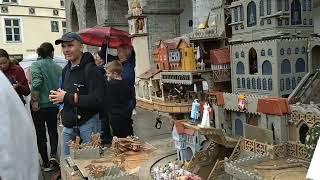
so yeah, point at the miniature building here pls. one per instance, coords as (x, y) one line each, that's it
(187, 141)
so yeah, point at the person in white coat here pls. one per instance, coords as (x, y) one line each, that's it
(19, 159)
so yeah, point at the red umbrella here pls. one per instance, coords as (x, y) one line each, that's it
(97, 36)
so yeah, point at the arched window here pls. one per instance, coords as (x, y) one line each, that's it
(295, 12)
(253, 81)
(253, 61)
(251, 14)
(304, 5)
(243, 82)
(270, 84)
(269, 52)
(248, 84)
(240, 68)
(282, 51)
(288, 84)
(303, 133)
(266, 68)
(258, 83)
(264, 84)
(238, 83)
(286, 5)
(235, 13)
(294, 83)
(285, 67)
(263, 53)
(300, 66)
(281, 84)
(279, 4)
(268, 7)
(241, 13)
(261, 7)
(237, 54)
(296, 50)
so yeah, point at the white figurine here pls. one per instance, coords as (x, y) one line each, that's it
(205, 117)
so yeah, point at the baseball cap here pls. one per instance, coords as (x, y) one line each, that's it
(68, 37)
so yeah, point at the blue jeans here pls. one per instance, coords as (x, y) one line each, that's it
(86, 129)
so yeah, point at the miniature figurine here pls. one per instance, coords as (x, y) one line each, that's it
(136, 8)
(242, 103)
(205, 117)
(202, 65)
(195, 111)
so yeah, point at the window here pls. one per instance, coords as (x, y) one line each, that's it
(281, 84)
(285, 67)
(282, 51)
(263, 53)
(241, 13)
(264, 84)
(243, 83)
(294, 83)
(304, 21)
(270, 84)
(269, 52)
(248, 83)
(303, 50)
(64, 27)
(288, 84)
(258, 83)
(304, 5)
(296, 12)
(309, 5)
(310, 22)
(237, 54)
(268, 7)
(9, 1)
(296, 50)
(300, 65)
(253, 61)
(238, 83)
(12, 28)
(286, 5)
(62, 3)
(289, 51)
(240, 68)
(253, 81)
(235, 13)
(279, 22)
(261, 8)
(279, 4)
(251, 12)
(266, 68)
(242, 54)
(54, 26)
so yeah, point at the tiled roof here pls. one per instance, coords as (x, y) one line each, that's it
(150, 73)
(220, 56)
(273, 106)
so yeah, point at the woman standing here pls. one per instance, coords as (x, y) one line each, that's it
(15, 74)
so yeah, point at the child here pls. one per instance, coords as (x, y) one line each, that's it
(117, 96)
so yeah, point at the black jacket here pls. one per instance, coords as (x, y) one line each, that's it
(91, 90)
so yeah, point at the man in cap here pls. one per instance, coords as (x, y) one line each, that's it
(81, 96)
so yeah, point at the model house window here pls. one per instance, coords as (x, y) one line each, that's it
(269, 52)
(238, 83)
(251, 14)
(288, 84)
(304, 5)
(237, 54)
(248, 83)
(303, 50)
(64, 27)
(243, 83)
(270, 84)
(268, 7)
(235, 13)
(264, 84)
(285, 67)
(281, 84)
(300, 66)
(279, 4)
(12, 28)
(294, 83)
(261, 7)
(266, 68)
(253, 83)
(258, 83)
(62, 3)
(282, 51)
(295, 12)
(9, 1)
(241, 13)
(286, 5)
(240, 68)
(263, 53)
(309, 5)
(54, 26)
(253, 61)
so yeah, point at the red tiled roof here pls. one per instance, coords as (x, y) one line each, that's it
(273, 106)
(150, 73)
(182, 130)
(219, 96)
(220, 56)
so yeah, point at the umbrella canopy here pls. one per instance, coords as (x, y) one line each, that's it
(97, 36)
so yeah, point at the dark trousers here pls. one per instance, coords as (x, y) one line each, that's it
(121, 127)
(42, 118)
(105, 130)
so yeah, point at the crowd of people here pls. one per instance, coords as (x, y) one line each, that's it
(92, 95)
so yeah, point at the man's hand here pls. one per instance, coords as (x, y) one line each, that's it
(57, 96)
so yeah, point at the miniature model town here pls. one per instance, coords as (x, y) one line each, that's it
(241, 89)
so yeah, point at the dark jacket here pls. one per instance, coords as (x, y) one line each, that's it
(16, 75)
(91, 90)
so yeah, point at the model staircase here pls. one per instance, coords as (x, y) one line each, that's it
(307, 89)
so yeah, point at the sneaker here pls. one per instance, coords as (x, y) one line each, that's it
(47, 167)
(53, 161)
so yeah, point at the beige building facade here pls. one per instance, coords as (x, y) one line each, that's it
(25, 24)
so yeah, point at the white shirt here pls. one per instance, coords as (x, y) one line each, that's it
(19, 159)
